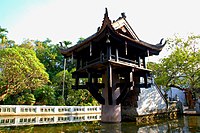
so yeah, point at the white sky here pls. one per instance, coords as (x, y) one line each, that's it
(69, 20)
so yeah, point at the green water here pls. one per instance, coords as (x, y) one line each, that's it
(186, 124)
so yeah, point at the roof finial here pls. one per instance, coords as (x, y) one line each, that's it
(106, 22)
(123, 15)
(106, 13)
(106, 18)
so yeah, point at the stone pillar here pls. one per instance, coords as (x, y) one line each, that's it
(111, 112)
(129, 104)
(198, 106)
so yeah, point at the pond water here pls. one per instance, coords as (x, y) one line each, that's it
(185, 124)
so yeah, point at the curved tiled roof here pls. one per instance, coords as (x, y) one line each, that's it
(119, 25)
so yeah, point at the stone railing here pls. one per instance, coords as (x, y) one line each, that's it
(46, 119)
(47, 110)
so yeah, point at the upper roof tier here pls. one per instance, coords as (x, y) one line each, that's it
(121, 31)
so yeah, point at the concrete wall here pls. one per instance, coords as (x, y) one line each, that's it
(176, 94)
(150, 101)
(143, 101)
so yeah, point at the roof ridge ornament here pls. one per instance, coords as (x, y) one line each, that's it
(161, 44)
(106, 13)
(106, 19)
(106, 22)
(123, 15)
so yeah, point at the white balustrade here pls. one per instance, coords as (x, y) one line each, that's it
(47, 110)
(46, 119)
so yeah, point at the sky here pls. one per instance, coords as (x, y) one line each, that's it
(69, 20)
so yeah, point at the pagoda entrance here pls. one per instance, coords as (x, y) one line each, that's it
(113, 62)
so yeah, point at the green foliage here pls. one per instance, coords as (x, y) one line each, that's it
(182, 67)
(80, 98)
(72, 97)
(3, 36)
(27, 99)
(4, 41)
(67, 43)
(68, 82)
(50, 56)
(45, 95)
(25, 71)
(28, 44)
(20, 70)
(60, 101)
(23, 98)
(81, 39)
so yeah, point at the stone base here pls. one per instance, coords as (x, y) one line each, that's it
(111, 113)
(129, 106)
(129, 113)
(155, 118)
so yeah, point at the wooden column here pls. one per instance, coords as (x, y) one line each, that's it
(93, 88)
(78, 64)
(109, 52)
(139, 61)
(101, 56)
(116, 55)
(144, 62)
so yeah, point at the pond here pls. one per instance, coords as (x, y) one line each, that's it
(185, 124)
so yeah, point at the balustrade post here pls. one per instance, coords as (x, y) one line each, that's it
(17, 109)
(38, 109)
(56, 109)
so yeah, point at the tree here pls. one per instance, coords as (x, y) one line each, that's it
(50, 56)
(58, 82)
(4, 41)
(20, 70)
(181, 69)
(72, 97)
(80, 97)
(81, 39)
(45, 95)
(26, 98)
(3, 35)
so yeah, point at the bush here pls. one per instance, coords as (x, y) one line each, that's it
(45, 95)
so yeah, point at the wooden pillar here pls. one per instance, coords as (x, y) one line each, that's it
(78, 64)
(139, 61)
(144, 62)
(101, 56)
(109, 52)
(117, 55)
(110, 111)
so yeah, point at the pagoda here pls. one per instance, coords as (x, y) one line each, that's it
(113, 62)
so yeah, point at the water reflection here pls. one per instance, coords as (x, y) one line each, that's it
(186, 124)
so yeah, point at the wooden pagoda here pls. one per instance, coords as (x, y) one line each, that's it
(116, 55)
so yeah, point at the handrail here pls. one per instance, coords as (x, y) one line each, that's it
(166, 102)
(93, 61)
(112, 57)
